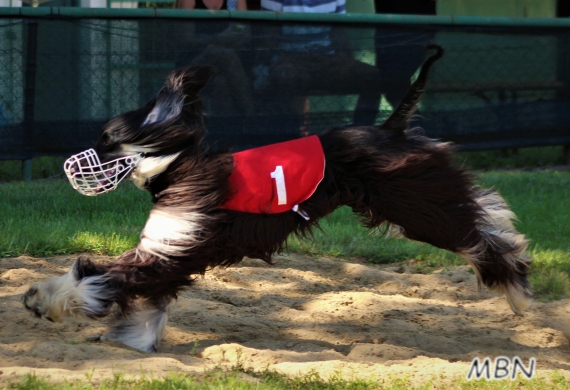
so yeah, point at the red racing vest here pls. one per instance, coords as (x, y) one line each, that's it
(275, 178)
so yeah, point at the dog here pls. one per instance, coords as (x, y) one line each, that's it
(388, 175)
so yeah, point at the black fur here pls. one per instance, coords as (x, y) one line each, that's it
(386, 174)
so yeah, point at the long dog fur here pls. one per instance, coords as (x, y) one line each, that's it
(388, 175)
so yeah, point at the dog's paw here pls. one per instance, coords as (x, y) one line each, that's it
(141, 329)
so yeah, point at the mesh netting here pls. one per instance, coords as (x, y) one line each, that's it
(62, 79)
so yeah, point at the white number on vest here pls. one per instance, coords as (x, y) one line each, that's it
(279, 177)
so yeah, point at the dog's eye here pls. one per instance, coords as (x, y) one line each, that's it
(106, 140)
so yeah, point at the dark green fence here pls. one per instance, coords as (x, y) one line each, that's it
(503, 83)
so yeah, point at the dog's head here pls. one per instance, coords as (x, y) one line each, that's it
(141, 144)
(171, 122)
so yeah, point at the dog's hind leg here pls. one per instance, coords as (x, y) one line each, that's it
(497, 251)
(436, 203)
(410, 182)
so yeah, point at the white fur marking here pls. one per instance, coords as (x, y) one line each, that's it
(142, 330)
(91, 291)
(127, 149)
(65, 295)
(151, 167)
(497, 231)
(162, 228)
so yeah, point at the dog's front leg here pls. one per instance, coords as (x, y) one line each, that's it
(145, 287)
(141, 328)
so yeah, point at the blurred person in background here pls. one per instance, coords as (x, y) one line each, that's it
(316, 57)
(217, 43)
(230, 5)
(399, 54)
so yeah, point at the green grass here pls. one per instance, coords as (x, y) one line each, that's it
(240, 379)
(42, 168)
(541, 201)
(48, 217)
(44, 218)
(523, 158)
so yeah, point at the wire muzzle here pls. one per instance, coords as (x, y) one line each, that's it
(90, 177)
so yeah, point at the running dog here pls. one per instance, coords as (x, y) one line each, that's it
(214, 208)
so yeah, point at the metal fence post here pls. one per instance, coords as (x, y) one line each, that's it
(29, 97)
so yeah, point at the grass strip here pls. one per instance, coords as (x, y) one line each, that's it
(240, 379)
(44, 218)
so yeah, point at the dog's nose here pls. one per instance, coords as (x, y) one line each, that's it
(72, 166)
(37, 313)
(76, 166)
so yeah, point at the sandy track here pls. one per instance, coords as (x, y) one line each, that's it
(301, 314)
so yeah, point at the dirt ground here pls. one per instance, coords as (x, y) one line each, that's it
(327, 315)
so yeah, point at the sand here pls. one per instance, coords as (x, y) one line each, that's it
(331, 316)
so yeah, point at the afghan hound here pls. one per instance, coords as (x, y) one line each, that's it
(213, 208)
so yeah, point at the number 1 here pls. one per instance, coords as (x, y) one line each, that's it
(279, 177)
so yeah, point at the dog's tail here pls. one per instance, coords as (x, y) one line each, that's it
(400, 118)
(497, 251)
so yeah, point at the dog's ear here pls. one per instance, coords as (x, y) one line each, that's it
(191, 79)
(179, 93)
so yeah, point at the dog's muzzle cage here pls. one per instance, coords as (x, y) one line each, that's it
(89, 177)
